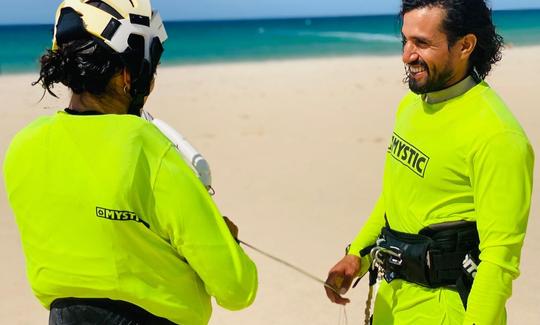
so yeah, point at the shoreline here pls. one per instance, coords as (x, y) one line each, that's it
(367, 56)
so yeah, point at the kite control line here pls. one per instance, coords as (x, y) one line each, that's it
(343, 311)
(289, 265)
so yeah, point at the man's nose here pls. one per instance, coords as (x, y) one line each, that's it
(409, 53)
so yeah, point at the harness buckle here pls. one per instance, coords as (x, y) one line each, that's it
(392, 254)
(395, 256)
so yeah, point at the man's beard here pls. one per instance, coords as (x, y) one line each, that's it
(435, 81)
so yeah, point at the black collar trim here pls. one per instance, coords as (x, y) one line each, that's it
(73, 112)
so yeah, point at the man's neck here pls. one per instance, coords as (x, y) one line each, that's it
(448, 93)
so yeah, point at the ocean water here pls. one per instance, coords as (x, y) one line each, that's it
(252, 40)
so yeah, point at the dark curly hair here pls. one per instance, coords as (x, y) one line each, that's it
(82, 65)
(467, 17)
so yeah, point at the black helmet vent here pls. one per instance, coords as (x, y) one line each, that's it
(70, 26)
(105, 7)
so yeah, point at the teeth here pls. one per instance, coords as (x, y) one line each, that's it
(416, 69)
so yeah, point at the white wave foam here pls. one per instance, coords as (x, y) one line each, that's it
(358, 36)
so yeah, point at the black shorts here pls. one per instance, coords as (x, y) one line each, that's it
(89, 311)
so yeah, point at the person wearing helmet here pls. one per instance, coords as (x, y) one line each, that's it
(116, 228)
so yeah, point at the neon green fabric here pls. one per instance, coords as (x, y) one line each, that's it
(466, 158)
(107, 208)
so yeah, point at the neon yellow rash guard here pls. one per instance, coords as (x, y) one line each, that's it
(107, 208)
(466, 158)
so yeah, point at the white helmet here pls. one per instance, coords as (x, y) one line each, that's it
(127, 27)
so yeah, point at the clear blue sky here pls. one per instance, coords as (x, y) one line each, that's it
(42, 11)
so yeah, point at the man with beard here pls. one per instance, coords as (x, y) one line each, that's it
(447, 231)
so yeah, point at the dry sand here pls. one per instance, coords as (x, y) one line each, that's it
(296, 149)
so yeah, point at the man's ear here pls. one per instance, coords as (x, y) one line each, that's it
(467, 45)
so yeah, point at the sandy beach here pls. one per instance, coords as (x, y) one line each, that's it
(296, 149)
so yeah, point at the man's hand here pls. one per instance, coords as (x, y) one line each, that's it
(232, 227)
(340, 278)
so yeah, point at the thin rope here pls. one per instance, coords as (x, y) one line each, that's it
(343, 316)
(296, 268)
(342, 311)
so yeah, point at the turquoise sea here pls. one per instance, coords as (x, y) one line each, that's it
(251, 40)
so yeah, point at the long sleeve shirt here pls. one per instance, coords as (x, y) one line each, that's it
(107, 208)
(464, 158)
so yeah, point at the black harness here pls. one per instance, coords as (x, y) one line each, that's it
(442, 255)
